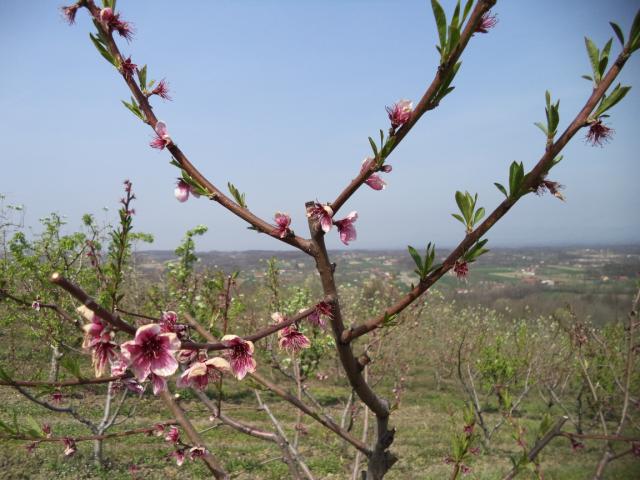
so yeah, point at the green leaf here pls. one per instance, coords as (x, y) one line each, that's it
(237, 195)
(605, 55)
(134, 109)
(587, 77)
(618, 32)
(454, 38)
(416, 257)
(616, 95)
(456, 16)
(373, 147)
(594, 57)
(479, 215)
(459, 218)
(500, 187)
(441, 22)
(467, 9)
(634, 35)
(516, 174)
(33, 428)
(542, 127)
(103, 51)
(142, 77)
(390, 320)
(72, 365)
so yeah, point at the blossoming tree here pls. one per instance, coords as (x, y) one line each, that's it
(154, 351)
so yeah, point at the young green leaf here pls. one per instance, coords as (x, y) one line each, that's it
(594, 57)
(374, 147)
(616, 95)
(467, 9)
(142, 77)
(500, 187)
(416, 258)
(441, 22)
(618, 32)
(479, 215)
(237, 195)
(103, 51)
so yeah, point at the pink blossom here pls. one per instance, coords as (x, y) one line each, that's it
(290, 339)
(69, 446)
(103, 350)
(92, 330)
(182, 191)
(158, 383)
(576, 445)
(200, 373)
(320, 310)
(69, 13)
(598, 133)
(36, 305)
(186, 356)
(197, 452)
(346, 229)
(151, 352)
(240, 355)
(321, 213)
(400, 113)
(461, 269)
(179, 456)
(128, 68)
(487, 22)
(374, 180)
(111, 22)
(162, 90)
(283, 220)
(158, 429)
(46, 429)
(162, 138)
(169, 323)
(173, 435)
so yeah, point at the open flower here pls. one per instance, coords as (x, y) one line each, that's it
(151, 352)
(36, 305)
(400, 113)
(322, 214)
(197, 452)
(240, 355)
(487, 22)
(179, 456)
(162, 90)
(173, 435)
(69, 446)
(374, 180)
(598, 133)
(92, 331)
(200, 373)
(162, 136)
(322, 309)
(290, 338)
(346, 229)
(283, 220)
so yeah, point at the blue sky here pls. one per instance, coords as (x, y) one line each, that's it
(279, 98)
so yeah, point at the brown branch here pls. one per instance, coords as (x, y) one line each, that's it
(426, 103)
(608, 438)
(292, 399)
(209, 459)
(85, 438)
(214, 193)
(537, 448)
(90, 303)
(529, 183)
(64, 383)
(50, 306)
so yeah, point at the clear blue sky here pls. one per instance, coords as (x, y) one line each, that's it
(279, 97)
